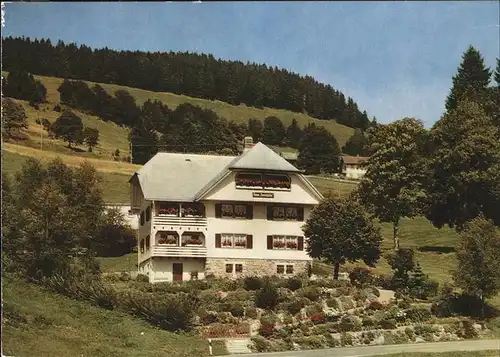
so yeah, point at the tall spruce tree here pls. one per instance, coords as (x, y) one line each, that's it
(356, 145)
(318, 151)
(471, 80)
(293, 135)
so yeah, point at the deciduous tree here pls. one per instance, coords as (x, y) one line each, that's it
(478, 259)
(393, 186)
(341, 230)
(91, 137)
(14, 118)
(68, 127)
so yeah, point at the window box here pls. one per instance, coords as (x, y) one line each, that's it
(193, 210)
(169, 212)
(285, 242)
(285, 213)
(233, 210)
(192, 242)
(168, 239)
(236, 241)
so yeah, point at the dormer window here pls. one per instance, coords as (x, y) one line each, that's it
(277, 182)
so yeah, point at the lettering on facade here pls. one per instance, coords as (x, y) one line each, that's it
(263, 194)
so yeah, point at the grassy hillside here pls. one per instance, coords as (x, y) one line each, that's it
(239, 114)
(37, 323)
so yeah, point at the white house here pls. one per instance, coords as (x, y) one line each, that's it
(130, 219)
(221, 215)
(352, 166)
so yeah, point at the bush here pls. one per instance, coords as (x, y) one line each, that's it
(395, 338)
(347, 303)
(237, 309)
(251, 312)
(410, 333)
(314, 309)
(388, 323)
(269, 319)
(311, 292)
(294, 284)
(333, 303)
(418, 314)
(311, 342)
(168, 312)
(267, 330)
(361, 277)
(207, 317)
(261, 344)
(252, 283)
(295, 306)
(346, 339)
(141, 278)
(459, 304)
(375, 305)
(467, 330)
(369, 321)
(87, 289)
(423, 329)
(350, 323)
(267, 297)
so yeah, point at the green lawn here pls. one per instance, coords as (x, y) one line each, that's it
(239, 114)
(118, 264)
(37, 323)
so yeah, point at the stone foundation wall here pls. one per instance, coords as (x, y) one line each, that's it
(253, 267)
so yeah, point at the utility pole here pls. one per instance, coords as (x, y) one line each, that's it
(130, 149)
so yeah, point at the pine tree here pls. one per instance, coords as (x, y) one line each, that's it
(471, 80)
(273, 132)
(356, 145)
(318, 151)
(293, 135)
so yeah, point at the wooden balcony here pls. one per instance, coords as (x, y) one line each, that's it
(179, 221)
(176, 251)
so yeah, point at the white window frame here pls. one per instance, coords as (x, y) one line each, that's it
(286, 239)
(233, 238)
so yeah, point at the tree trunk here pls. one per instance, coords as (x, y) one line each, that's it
(90, 148)
(395, 228)
(482, 305)
(336, 269)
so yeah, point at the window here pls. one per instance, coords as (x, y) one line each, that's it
(285, 213)
(280, 269)
(253, 180)
(168, 209)
(233, 210)
(280, 242)
(238, 268)
(229, 268)
(142, 218)
(148, 214)
(284, 269)
(230, 240)
(147, 242)
(142, 246)
(193, 210)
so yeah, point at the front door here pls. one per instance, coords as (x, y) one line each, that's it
(177, 271)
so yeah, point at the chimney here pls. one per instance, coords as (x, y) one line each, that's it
(247, 143)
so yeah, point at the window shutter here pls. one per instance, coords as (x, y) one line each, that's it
(218, 210)
(217, 241)
(249, 241)
(269, 242)
(249, 211)
(269, 212)
(300, 213)
(300, 243)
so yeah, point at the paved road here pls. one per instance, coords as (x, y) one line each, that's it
(469, 345)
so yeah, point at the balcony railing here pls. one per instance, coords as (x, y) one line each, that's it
(180, 221)
(174, 251)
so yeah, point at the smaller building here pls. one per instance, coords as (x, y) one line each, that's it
(352, 166)
(129, 218)
(291, 157)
